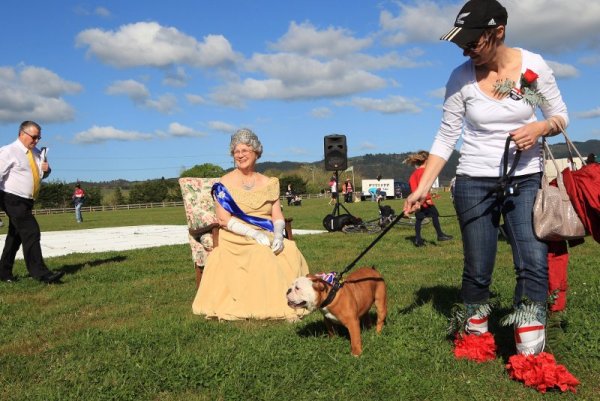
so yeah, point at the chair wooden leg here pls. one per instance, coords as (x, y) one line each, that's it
(199, 271)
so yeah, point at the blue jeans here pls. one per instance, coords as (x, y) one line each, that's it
(479, 209)
(78, 212)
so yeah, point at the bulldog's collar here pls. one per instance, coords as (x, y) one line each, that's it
(335, 286)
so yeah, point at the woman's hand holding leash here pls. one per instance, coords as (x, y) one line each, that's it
(527, 136)
(413, 202)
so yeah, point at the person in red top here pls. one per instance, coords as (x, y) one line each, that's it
(427, 207)
(78, 200)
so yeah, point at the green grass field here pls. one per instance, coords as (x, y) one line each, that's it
(121, 327)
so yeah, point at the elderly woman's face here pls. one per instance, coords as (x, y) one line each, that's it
(244, 156)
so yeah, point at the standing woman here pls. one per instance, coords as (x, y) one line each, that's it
(427, 208)
(489, 98)
(78, 200)
(247, 275)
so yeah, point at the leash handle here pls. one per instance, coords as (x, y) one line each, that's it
(510, 172)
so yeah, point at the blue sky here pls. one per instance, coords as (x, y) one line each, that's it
(143, 89)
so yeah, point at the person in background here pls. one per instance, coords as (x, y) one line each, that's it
(334, 191)
(427, 208)
(248, 274)
(21, 172)
(78, 200)
(491, 101)
(289, 194)
(374, 192)
(591, 158)
(348, 191)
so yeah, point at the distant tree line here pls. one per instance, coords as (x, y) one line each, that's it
(56, 194)
(59, 194)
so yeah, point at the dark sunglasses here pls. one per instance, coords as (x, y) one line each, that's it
(470, 46)
(34, 137)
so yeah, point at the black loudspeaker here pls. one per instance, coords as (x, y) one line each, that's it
(336, 153)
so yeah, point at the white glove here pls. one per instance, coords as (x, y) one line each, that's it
(237, 227)
(277, 245)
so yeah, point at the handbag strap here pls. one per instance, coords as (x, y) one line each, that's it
(570, 145)
(559, 179)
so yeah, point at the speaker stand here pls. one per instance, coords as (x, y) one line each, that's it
(338, 204)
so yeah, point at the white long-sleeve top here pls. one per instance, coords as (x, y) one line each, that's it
(15, 171)
(485, 122)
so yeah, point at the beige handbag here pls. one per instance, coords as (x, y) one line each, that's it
(554, 218)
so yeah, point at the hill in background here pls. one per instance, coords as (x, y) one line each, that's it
(389, 165)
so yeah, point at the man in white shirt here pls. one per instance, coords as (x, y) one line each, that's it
(21, 173)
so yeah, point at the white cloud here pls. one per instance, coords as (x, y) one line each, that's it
(195, 99)
(305, 39)
(321, 112)
(34, 93)
(391, 105)
(103, 134)
(176, 78)
(292, 77)
(563, 70)
(389, 60)
(165, 104)
(425, 21)
(438, 93)
(102, 12)
(311, 64)
(134, 90)
(46, 82)
(140, 95)
(554, 25)
(590, 59)
(366, 145)
(594, 113)
(97, 11)
(222, 127)
(179, 130)
(150, 44)
(296, 151)
(539, 25)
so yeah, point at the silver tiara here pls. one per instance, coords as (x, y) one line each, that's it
(244, 135)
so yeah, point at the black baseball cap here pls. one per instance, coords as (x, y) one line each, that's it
(473, 19)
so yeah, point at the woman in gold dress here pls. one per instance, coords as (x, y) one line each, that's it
(248, 274)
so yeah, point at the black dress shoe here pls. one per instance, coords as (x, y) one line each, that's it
(9, 279)
(52, 277)
(419, 243)
(445, 237)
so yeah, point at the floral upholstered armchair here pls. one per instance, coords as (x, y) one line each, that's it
(203, 226)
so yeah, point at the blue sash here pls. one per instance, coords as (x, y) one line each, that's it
(226, 200)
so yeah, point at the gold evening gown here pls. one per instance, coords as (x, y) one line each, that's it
(246, 280)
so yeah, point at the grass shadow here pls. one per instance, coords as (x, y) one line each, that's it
(442, 298)
(412, 239)
(318, 328)
(72, 269)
